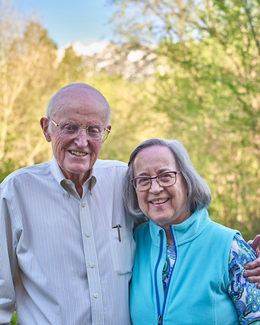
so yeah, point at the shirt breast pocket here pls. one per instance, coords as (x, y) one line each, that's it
(123, 251)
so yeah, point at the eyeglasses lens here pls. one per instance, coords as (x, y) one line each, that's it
(71, 130)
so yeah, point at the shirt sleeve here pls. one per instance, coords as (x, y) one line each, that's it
(244, 295)
(7, 293)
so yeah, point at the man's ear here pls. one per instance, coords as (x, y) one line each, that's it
(45, 128)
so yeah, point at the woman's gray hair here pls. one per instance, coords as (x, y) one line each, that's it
(199, 194)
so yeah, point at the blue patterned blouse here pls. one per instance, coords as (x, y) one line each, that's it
(245, 297)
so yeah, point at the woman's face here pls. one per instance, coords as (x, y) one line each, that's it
(164, 205)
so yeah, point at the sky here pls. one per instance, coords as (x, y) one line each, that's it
(70, 21)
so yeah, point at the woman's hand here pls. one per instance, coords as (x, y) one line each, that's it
(253, 268)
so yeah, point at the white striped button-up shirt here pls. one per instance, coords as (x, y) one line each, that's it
(61, 261)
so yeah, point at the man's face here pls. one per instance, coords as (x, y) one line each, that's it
(77, 156)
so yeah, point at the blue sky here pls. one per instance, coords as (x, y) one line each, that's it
(71, 20)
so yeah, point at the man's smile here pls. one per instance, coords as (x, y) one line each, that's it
(77, 153)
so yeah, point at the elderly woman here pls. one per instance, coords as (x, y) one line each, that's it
(188, 269)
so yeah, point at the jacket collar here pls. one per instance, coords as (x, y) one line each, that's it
(183, 232)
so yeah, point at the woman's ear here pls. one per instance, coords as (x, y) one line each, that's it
(45, 128)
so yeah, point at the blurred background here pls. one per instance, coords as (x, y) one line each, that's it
(188, 70)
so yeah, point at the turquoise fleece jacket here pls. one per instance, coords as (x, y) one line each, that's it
(198, 288)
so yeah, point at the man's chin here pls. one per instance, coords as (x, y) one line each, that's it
(79, 169)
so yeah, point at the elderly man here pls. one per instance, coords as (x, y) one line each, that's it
(66, 242)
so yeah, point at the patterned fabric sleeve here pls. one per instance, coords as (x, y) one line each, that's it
(244, 295)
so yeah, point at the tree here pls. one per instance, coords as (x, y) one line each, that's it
(208, 82)
(27, 63)
(132, 120)
(71, 68)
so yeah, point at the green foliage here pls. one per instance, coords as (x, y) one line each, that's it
(208, 83)
(132, 118)
(27, 63)
(70, 69)
(204, 92)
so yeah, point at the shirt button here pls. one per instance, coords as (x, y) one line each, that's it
(87, 234)
(92, 265)
(83, 205)
(95, 295)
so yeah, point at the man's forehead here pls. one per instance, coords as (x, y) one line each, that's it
(78, 94)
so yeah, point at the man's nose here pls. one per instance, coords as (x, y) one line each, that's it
(83, 136)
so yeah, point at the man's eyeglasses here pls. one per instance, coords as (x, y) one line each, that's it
(70, 129)
(144, 183)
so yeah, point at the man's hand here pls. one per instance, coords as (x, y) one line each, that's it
(253, 268)
(254, 244)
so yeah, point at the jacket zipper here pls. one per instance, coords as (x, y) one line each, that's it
(156, 284)
(160, 315)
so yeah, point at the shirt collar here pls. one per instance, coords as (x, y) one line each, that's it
(60, 179)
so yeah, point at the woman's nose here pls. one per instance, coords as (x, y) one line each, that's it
(155, 186)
